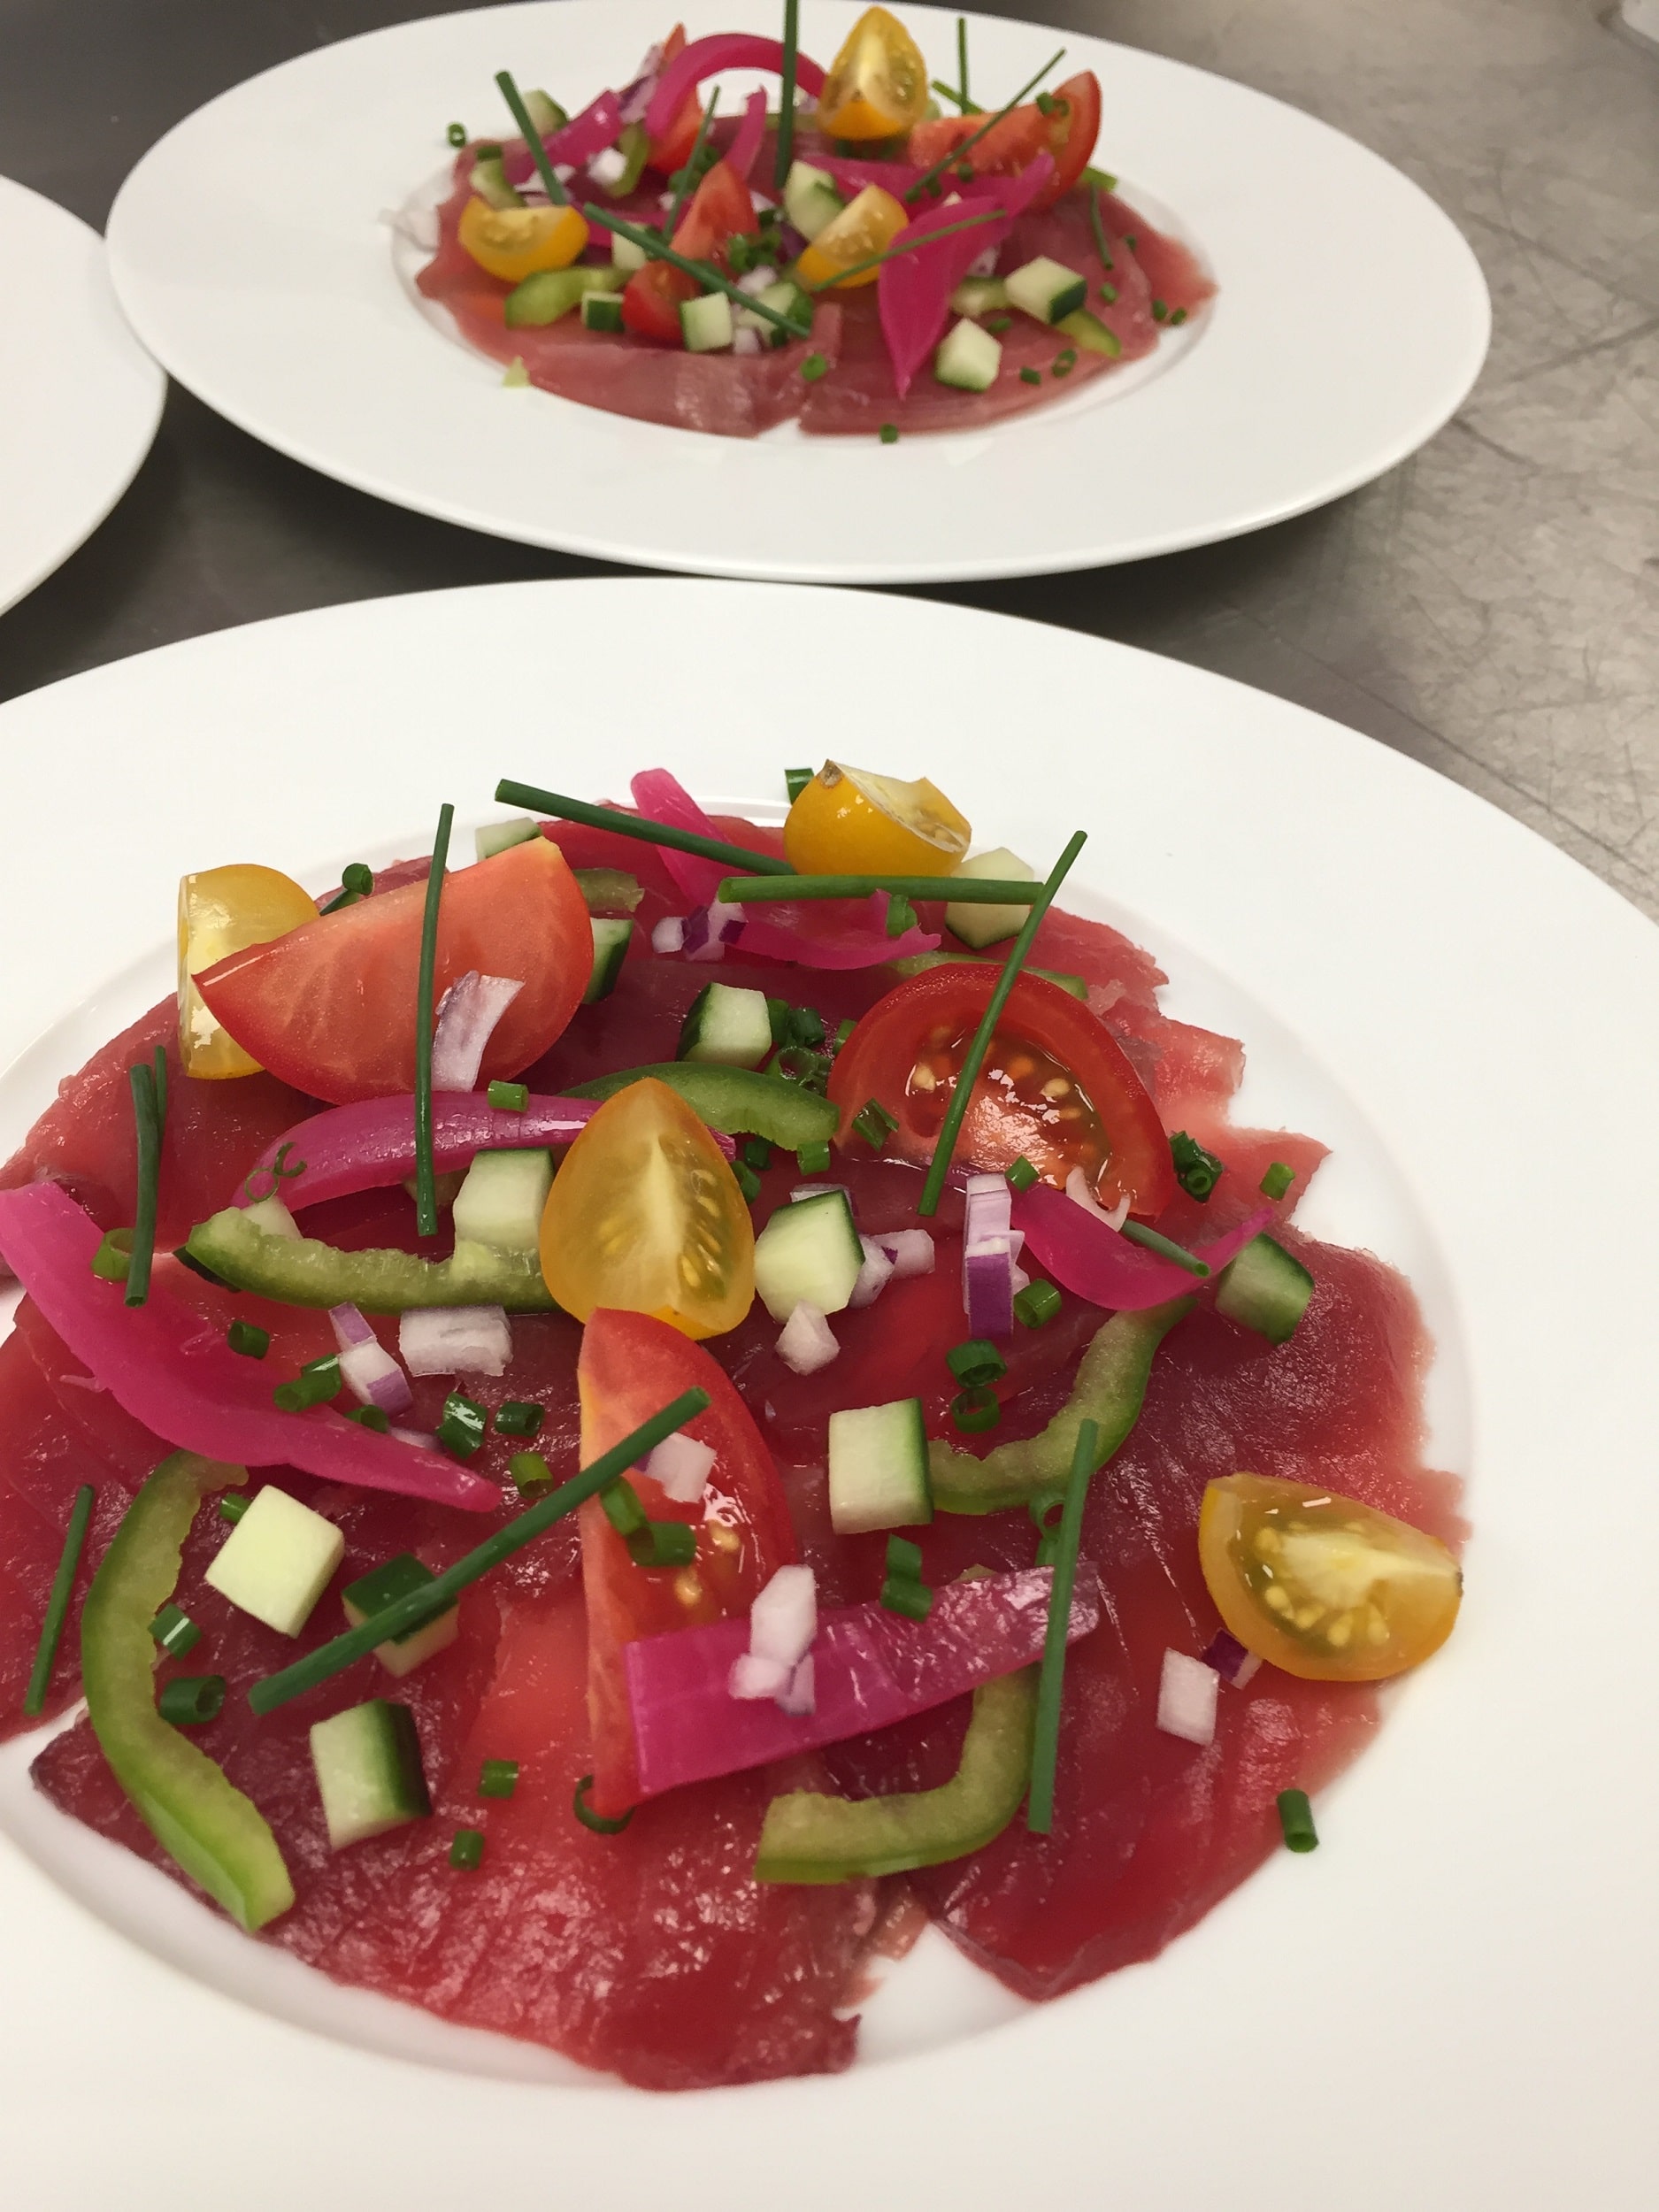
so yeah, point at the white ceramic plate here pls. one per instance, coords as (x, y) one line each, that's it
(1451, 2004)
(1351, 321)
(80, 398)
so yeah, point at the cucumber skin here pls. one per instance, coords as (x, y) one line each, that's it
(1265, 1289)
(737, 1101)
(302, 1272)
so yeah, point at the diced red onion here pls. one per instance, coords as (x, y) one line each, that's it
(707, 58)
(1093, 1261)
(757, 281)
(682, 1466)
(783, 1619)
(799, 1697)
(272, 1216)
(911, 1250)
(754, 1678)
(374, 1378)
(633, 102)
(668, 934)
(455, 1339)
(1018, 1280)
(467, 1015)
(984, 265)
(988, 1257)
(1230, 1659)
(745, 340)
(350, 1326)
(873, 1277)
(1186, 1698)
(710, 929)
(1077, 1189)
(608, 167)
(422, 1439)
(807, 1343)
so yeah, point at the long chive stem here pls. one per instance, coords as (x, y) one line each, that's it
(972, 890)
(1164, 1249)
(962, 57)
(57, 1601)
(1098, 227)
(931, 176)
(555, 190)
(148, 1127)
(687, 175)
(785, 154)
(949, 92)
(611, 818)
(426, 1178)
(651, 244)
(1052, 1683)
(908, 245)
(951, 1126)
(418, 1607)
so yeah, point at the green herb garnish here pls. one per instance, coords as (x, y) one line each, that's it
(786, 113)
(57, 1601)
(707, 275)
(554, 189)
(499, 1778)
(509, 1098)
(597, 1822)
(955, 890)
(1295, 1818)
(249, 1339)
(925, 181)
(1036, 1303)
(1196, 1171)
(1052, 1683)
(1138, 1234)
(191, 1699)
(610, 817)
(426, 1177)
(1277, 1179)
(466, 1853)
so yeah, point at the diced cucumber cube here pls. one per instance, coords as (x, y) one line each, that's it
(1086, 329)
(495, 837)
(277, 1561)
(367, 1762)
(546, 115)
(877, 1468)
(501, 1201)
(490, 181)
(809, 1250)
(602, 311)
(726, 1026)
(810, 199)
(1265, 1289)
(705, 323)
(787, 297)
(981, 925)
(1047, 289)
(968, 358)
(612, 940)
(372, 1593)
(624, 255)
(978, 296)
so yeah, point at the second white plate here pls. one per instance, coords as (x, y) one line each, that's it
(1351, 321)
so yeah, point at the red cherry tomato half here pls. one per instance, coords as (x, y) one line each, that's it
(651, 299)
(1067, 132)
(672, 150)
(1055, 1086)
(718, 210)
(330, 1007)
(631, 1366)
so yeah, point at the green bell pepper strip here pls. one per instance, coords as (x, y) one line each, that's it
(737, 1101)
(304, 1271)
(1110, 1388)
(199, 1817)
(808, 1837)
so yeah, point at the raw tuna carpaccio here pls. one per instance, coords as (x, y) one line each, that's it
(652, 1954)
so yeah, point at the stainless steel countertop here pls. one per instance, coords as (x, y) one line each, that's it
(1491, 608)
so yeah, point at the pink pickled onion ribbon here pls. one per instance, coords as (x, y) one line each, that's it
(175, 1372)
(371, 1143)
(744, 147)
(852, 175)
(913, 291)
(708, 57)
(1101, 1266)
(807, 934)
(572, 143)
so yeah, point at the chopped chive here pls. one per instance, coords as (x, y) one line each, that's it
(1030, 376)
(466, 1853)
(786, 113)
(1052, 1683)
(147, 1118)
(976, 1363)
(375, 1417)
(437, 1596)
(278, 1171)
(529, 1470)
(610, 817)
(1166, 1250)
(113, 1257)
(689, 173)
(317, 1382)
(1037, 1304)
(509, 1098)
(900, 914)
(457, 134)
(545, 170)
(174, 1630)
(1130, 241)
(798, 1063)
(426, 1177)
(499, 1778)
(778, 1012)
(356, 883)
(958, 891)
(755, 1152)
(748, 1181)
(232, 1506)
(461, 1430)
(999, 322)
(1108, 293)
(843, 1031)
(57, 1600)
(906, 245)
(1295, 1818)
(813, 367)
(805, 1026)
(597, 1822)
(519, 1416)
(974, 1059)
(904, 1593)
(1178, 315)
(904, 1558)
(1061, 366)
(976, 1409)
(888, 434)
(1106, 181)
(664, 1544)
(795, 781)
(1196, 1171)
(813, 1159)
(949, 92)
(707, 276)
(249, 1339)
(1099, 229)
(623, 1509)
(931, 176)
(874, 1123)
(962, 56)
(1159, 312)
(191, 1699)
(1277, 1179)
(1021, 1173)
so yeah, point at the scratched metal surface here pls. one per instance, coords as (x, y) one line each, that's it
(1491, 608)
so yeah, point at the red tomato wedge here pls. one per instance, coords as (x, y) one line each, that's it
(1055, 1086)
(631, 1367)
(1068, 132)
(330, 1007)
(672, 150)
(718, 210)
(650, 302)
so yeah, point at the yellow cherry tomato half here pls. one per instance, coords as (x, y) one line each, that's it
(645, 1216)
(513, 242)
(849, 822)
(223, 910)
(877, 86)
(866, 226)
(1321, 1586)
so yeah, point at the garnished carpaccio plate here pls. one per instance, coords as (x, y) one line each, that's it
(1351, 318)
(1442, 997)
